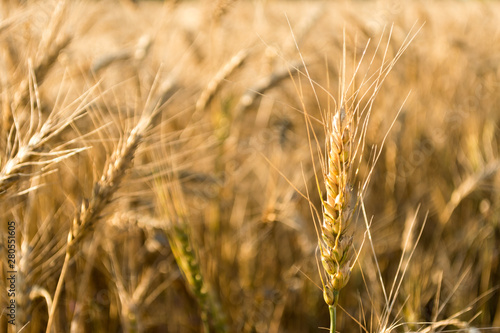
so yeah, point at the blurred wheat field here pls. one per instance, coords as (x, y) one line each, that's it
(155, 159)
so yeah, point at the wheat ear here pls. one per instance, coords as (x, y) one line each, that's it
(48, 50)
(90, 210)
(171, 203)
(216, 83)
(337, 211)
(28, 152)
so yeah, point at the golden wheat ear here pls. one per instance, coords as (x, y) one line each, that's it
(335, 243)
(345, 132)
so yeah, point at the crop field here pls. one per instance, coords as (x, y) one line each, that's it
(250, 166)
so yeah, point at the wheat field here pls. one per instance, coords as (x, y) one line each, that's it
(163, 166)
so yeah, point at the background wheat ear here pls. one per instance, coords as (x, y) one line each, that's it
(90, 211)
(170, 202)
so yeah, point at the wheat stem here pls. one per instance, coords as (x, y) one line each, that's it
(58, 292)
(333, 318)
